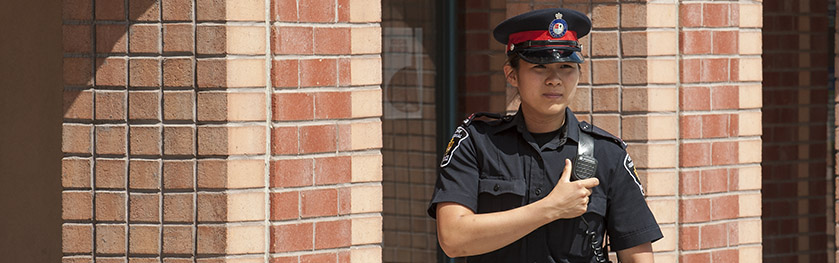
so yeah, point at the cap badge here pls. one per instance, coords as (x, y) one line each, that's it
(558, 26)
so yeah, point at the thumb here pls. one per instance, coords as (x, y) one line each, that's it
(566, 173)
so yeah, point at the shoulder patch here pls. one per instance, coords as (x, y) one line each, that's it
(459, 135)
(630, 168)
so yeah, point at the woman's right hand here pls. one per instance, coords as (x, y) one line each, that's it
(569, 199)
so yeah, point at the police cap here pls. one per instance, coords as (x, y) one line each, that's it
(544, 36)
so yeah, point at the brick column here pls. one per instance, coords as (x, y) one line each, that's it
(199, 131)
(325, 174)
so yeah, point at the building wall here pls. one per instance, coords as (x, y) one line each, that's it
(797, 185)
(30, 131)
(221, 131)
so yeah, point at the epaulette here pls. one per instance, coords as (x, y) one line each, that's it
(589, 128)
(490, 115)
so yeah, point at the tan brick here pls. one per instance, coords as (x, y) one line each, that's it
(366, 71)
(245, 206)
(750, 205)
(177, 239)
(750, 42)
(366, 40)
(608, 122)
(750, 123)
(144, 140)
(110, 173)
(659, 155)
(604, 44)
(750, 69)
(178, 207)
(661, 257)
(661, 15)
(364, 135)
(751, 96)
(245, 10)
(110, 139)
(178, 72)
(582, 101)
(365, 11)
(749, 178)
(364, 103)
(245, 73)
(366, 254)
(661, 71)
(76, 205)
(231, 173)
(670, 240)
(144, 239)
(110, 239)
(367, 168)
(178, 37)
(178, 105)
(751, 15)
(78, 104)
(366, 199)
(663, 210)
(76, 138)
(750, 253)
(660, 43)
(144, 105)
(366, 230)
(749, 151)
(240, 239)
(178, 140)
(75, 173)
(749, 231)
(634, 43)
(633, 15)
(178, 174)
(144, 207)
(110, 105)
(660, 183)
(604, 16)
(649, 127)
(248, 40)
(246, 106)
(246, 140)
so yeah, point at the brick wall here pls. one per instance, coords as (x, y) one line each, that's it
(199, 130)
(797, 195)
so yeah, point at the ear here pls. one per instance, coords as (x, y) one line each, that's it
(511, 76)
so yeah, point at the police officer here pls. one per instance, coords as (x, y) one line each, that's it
(506, 191)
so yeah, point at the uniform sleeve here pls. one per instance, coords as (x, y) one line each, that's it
(628, 218)
(457, 180)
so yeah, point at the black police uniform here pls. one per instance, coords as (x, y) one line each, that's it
(496, 166)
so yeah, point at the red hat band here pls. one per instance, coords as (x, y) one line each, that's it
(523, 36)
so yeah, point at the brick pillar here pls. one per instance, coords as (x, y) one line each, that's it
(483, 85)
(325, 174)
(221, 131)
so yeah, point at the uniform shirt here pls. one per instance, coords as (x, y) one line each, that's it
(496, 166)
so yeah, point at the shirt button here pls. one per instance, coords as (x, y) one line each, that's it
(538, 191)
(496, 187)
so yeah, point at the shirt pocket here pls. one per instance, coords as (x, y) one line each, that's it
(496, 195)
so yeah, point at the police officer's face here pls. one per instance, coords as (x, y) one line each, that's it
(545, 89)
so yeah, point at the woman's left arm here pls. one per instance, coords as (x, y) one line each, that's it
(642, 253)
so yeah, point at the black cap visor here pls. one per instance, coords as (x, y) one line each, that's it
(547, 55)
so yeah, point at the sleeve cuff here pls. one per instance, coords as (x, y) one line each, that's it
(442, 197)
(648, 234)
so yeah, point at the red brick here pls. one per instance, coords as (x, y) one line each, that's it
(293, 106)
(77, 9)
(689, 237)
(344, 71)
(291, 172)
(725, 207)
(319, 258)
(317, 10)
(702, 257)
(78, 104)
(715, 15)
(75, 173)
(178, 140)
(284, 140)
(713, 236)
(178, 105)
(694, 210)
(110, 10)
(733, 229)
(144, 174)
(345, 200)
(715, 126)
(77, 38)
(318, 138)
(285, 259)
(690, 70)
(110, 239)
(332, 40)
(333, 105)
(734, 69)
(177, 10)
(725, 97)
(178, 239)
(76, 238)
(724, 153)
(292, 237)
(725, 256)
(144, 38)
(333, 170)
(690, 182)
(317, 203)
(110, 206)
(76, 205)
(77, 71)
(178, 174)
(110, 173)
(111, 38)
(211, 39)
(318, 72)
(110, 140)
(695, 154)
(343, 10)
(690, 126)
(76, 138)
(714, 181)
(284, 10)
(285, 206)
(143, 105)
(178, 38)
(212, 73)
(292, 40)
(284, 73)
(695, 99)
(714, 70)
(144, 10)
(333, 234)
(144, 207)
(725, 42)
(696, 42)
(178, 207)
(144, 73)
(110, 105)
(178, 72)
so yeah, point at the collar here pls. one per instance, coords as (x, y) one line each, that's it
(571, 123)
